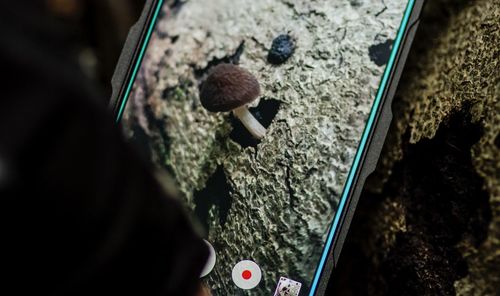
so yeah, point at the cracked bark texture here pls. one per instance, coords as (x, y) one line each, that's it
(272, 202)
(428, 222)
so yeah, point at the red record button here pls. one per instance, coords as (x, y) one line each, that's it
(246, 274)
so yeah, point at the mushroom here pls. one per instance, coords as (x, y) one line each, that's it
(231, 88)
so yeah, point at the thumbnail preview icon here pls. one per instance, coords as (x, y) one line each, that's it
(287, 287)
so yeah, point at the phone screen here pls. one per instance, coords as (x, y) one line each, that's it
(267, 176)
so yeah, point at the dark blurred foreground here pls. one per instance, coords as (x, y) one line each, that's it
(89, 33)
(81, 214)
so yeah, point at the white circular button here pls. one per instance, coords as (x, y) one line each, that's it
(246, 274)
(210, 261)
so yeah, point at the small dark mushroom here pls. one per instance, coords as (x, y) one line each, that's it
(281, 50)
(231, 88)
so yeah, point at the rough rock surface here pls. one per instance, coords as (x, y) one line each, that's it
(273, 201)
(429, 221)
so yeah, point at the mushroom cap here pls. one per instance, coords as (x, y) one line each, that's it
(228, 87)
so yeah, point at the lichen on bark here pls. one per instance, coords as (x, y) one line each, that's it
(448, 100)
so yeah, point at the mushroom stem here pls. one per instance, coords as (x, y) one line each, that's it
(249, 121)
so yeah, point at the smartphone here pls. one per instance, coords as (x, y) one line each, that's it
(273, 178)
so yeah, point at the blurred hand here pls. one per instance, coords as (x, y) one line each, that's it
(204, 290)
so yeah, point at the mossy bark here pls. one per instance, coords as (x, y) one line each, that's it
(428, 222)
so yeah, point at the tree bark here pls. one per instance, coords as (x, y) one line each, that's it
(429, 220)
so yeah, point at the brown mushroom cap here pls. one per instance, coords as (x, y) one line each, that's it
(228, 87)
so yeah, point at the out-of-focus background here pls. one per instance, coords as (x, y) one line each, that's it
(429, 220)
(96, 30)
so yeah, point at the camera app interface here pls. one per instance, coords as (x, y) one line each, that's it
(257, 109)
